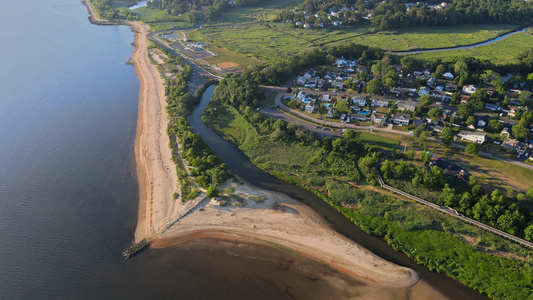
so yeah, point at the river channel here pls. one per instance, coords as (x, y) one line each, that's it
(252, 175)
(468, 47)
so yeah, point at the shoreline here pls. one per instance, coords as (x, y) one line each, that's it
(281, 222)
(156, 171)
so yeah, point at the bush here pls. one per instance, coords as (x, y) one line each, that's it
(212, 192)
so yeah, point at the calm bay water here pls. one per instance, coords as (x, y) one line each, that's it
(68, 193)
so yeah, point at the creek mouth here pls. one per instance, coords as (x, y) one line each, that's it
(254, 176)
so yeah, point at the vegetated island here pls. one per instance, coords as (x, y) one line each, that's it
(265, 218)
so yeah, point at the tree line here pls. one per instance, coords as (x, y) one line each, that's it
(494, 208)
(207, 169)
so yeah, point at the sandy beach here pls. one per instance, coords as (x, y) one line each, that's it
(274, 221)
(155, 170)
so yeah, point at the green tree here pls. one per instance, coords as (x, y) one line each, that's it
(520, 130)
(470, 121)
(425, 100)
(212, 192)
(322, 109)
(373, 87)
(495, 125)
(447, 136)
(528, 232)
(461, 68)
(441, 69)
(456, 98)
(351, 134)
(435, 114)
(472, 149)
(408, 64)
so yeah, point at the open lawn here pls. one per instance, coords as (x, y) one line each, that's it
(266, 12)
(433, 37)
(497, 173)
(119, 4)
(383, 140)
(258, 40)
(224, 56)
(503, 51)
(159, 19)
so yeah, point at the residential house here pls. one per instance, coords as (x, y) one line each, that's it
(360, 117)
(378, 118)
(492, 107)
(310, 107)
(513, 111)
(447, 76)
(476, 137)
(482, 121)
(337, 84)
(407, 105)
(331, 113)
(431, 82)
(450, 86)
(380, 103)
(301, 80)
(401, 119)
(469, 89)
(326, 98)
(505, 133)
(509, 144)
(465, 99)
(302, 96)
(420, 121)
(359, 101)
(424, 91)
(438, 129)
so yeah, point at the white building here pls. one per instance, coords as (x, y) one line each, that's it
(476, 137)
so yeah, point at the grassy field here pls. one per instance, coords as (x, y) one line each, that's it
(503, 51)
(383, 140)
(250, 31)
(258, 40)
(433, 37)
(119, 4)
(224, 55)
(266, 11)
(159, 19)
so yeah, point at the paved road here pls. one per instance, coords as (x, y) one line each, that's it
(284, 113)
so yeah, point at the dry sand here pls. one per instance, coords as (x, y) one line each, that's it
(155, 170)
(278, 221)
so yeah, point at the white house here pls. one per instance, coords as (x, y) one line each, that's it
(310, 107)
(448, 76)
(359, 101)
(469, 89)
(302, 96)
(380, 103)
(326, 98)
(476, 137)
(301, 80)
(378, 118)
(401, 119)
